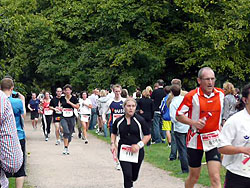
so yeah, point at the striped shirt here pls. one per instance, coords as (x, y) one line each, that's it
(11, 156)
(198, 105)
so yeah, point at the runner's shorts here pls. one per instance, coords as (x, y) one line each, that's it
(56, 119)
(84, 117)
(195, 156)
(34, 114)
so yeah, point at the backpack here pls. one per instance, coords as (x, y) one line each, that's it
(164, 109)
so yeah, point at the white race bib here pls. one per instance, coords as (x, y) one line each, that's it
(48, 112)
(127, 155)
(68, 112)
(210, 140)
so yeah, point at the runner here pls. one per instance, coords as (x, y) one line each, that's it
(85, 111)
(56, 106)
(67, 122)
(204, 107)
(46, 115)
(117, 110)
(116, 106)
(33, 107)
(235, 145)
(134, 134)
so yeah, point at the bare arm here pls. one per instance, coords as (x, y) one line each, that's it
(231, 150)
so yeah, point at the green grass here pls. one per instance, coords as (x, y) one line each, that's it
(158, 155)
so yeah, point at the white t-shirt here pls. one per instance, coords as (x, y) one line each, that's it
(236, 132)
(83, 108)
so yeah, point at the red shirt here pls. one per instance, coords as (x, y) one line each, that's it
(199, 105)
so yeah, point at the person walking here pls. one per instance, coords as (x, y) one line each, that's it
(204, 108)
(134, 134)
(33, 106)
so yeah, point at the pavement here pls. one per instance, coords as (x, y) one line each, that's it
(88, 165)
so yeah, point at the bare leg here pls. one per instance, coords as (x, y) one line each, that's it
(214, 173)
(84, 129)
(19, 182)
(168, 136)
(193, 177)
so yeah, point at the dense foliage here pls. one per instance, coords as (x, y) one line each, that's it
(92, 43)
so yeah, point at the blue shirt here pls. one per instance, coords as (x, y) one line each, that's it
(116, 111)
(17, 106)
(34, 104)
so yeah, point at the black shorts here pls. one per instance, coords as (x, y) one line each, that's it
(195, 156)
(34, 114)
(21, 171)
(234, 180)
(56, 119)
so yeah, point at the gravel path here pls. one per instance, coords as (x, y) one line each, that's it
(87, 166)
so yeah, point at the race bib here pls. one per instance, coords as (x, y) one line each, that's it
(210, 140)
(245, 163)
(48, 112)
(68, 112)
(127, 155)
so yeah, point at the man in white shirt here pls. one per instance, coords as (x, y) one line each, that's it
(180, 129)
(235, 144)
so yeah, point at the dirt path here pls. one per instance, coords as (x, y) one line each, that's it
(87, 166)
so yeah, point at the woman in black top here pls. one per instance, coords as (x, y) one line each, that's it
(69, 102)
(145, 107)
(134, 134)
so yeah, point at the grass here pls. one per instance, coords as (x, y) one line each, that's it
(158, 155)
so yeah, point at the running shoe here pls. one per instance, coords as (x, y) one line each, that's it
(86, 141)
(66, 151)
(58, 142)
(46, 139)
(97, 130)
(118, 166)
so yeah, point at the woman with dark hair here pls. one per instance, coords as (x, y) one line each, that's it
(134, 134)
(85, 112)
(46, 115)
(235, 145)
(69, 102)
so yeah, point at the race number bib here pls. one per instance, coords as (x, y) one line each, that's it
(48, 112)
(210, 140)
(127, 155)
(245, 163)
(115, 116)
(68, 112)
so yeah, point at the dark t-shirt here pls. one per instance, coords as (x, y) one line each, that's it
(146, 105)
(55, 103)
(130, 134)
(157, 97)
(73, 99)
(34, 104)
